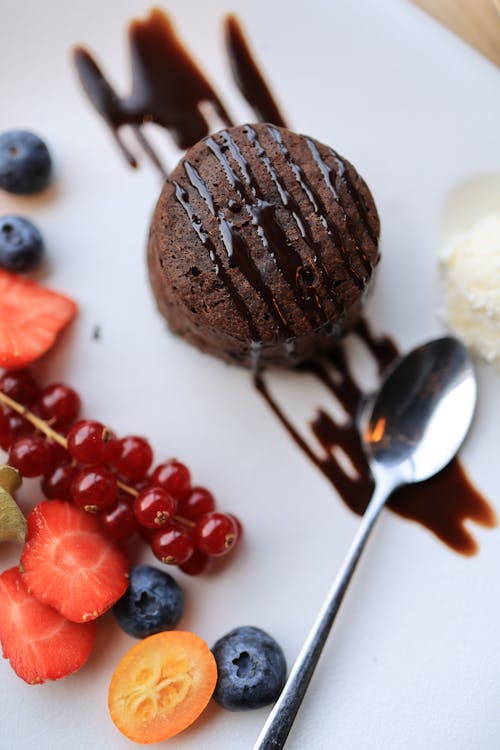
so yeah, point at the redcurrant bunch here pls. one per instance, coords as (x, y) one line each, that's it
(85, 463)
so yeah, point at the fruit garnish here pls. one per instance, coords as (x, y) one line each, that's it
(21, 244)
(25, 163)
(173, 544)
(161, 686)
(94, 488)
(197, 503)
(69, 563)
(30, 455)
(88, 441)
(118, 521)
(39, 643)
(10, 479)
(60, 404)
(107, 476)
(215, 533)
(31, 317)
(12, 521)
(20, 385)
(154, 507)
(196, 564)
(174, 477)
(131, 456)
(251, 669)
(153, 602)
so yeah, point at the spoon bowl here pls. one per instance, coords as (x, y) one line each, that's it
(422, 412)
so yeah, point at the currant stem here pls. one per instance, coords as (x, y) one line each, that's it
(44, 426)
(37, 422)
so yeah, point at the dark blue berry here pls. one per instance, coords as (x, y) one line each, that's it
(25, 163)
(21, 244)
(251, 669)
(153, 602)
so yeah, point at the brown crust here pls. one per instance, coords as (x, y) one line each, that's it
(317, 203)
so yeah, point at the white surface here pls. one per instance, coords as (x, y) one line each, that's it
(414, 661)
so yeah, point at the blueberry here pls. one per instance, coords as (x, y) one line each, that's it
(21, 244)
(25, 163)
(153, 602)
(251, 669)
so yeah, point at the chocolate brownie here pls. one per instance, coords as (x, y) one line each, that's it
(262, 246)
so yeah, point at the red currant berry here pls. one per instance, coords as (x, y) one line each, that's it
(237, 523)
(21, 386)
(88, 442)
(196, 564)
(119, 521)
(94, 489)
(14, 426)
(154, 507)
(173, 477)
(56, 484)
(147, 534)
(196, 504)
(215, 534)
(131, 456)
(30, 455)
(173, 545)
(4, 430)
(60, 404)
(59, 454)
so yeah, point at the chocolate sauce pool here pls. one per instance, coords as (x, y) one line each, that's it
(443, 504)
(167, 89)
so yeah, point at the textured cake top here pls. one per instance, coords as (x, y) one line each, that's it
(265, 236)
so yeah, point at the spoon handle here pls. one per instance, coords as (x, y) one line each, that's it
(279, 722)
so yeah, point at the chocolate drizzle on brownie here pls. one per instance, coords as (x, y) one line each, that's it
(331, 177)
(269, 230)
(183, 199)
(238, 253)
(317, 203)
(282, 249)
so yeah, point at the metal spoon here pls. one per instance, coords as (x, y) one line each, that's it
(412, 428)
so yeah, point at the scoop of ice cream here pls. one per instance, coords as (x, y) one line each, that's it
(471, 274)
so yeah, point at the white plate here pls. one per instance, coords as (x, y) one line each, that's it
(414, 661)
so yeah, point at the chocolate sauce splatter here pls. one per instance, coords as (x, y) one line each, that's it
(168, 87)
(443, 504)
(248, 77)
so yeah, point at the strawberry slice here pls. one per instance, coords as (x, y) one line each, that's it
(30, 319)
(39, 643)
(70, 564)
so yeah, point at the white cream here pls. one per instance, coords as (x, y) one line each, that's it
(471, 276)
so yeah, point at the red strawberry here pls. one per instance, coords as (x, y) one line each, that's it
(69, 563)
(39, 643)
(30, 319)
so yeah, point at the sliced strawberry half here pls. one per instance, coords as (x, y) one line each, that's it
(39, 643)
(70, 564)
(30, 319)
